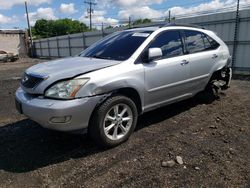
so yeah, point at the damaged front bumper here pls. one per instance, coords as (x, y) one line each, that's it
(61, 115)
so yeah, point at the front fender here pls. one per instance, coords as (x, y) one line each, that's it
(93, 89)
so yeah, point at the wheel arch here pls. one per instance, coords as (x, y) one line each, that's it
(133, 94)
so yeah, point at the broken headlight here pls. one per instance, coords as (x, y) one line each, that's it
(66, 89)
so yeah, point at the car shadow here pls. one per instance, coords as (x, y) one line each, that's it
(25, 146)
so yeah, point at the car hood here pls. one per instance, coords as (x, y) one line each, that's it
(53, 71)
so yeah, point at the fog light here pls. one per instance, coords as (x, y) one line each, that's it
(63, 119)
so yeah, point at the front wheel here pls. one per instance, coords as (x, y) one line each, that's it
(113, 121)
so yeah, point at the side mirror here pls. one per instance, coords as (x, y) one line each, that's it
(154, 53)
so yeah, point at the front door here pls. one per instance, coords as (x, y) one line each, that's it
(165, 78)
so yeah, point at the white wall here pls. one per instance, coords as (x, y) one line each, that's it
(13, 43)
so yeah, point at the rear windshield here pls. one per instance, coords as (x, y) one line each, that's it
(118, 46)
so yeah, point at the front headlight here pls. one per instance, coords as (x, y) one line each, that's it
(66, 89)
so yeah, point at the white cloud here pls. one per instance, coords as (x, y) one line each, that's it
(139, 12)
(68, 8)
(6, 20)
(7, 4)
(98, 18)
(127, 3)
(215, 5)
(42, 13)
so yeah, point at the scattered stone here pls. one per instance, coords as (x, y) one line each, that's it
(170, 163)
(241, 129)
(16, 78)
(213, 127)
(183, 132)
(231, 151)
(184, 167)
(218, 119)
(196, 168)
(179, 160)
(142, 157)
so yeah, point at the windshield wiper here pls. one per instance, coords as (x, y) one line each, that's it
(100, 57)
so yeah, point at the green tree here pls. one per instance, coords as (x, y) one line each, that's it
(141, 21)
(50, 28)
(109, 27)
(42, 28)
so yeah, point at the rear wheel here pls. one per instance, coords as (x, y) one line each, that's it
(113, 121)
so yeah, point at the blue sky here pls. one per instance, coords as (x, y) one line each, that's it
(110, 12)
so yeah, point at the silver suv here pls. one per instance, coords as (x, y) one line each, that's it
(106, 87)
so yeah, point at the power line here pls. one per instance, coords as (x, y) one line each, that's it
(90, 11)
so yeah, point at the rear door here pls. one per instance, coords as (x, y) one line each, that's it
(203, 54)
(165, 77)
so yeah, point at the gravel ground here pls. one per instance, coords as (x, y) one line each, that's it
(211, 140)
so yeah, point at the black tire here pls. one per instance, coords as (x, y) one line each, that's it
(96, 127)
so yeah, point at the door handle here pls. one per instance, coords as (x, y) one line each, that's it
(214, 56)
(184, 62)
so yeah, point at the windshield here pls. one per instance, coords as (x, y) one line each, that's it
(118, 46)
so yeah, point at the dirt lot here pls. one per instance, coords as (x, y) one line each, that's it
(212, 139)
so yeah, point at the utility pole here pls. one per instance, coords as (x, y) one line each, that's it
(30, 32)
(236, 31)
(90, 11)
(102, 29)
(169, 16)
(129, 22)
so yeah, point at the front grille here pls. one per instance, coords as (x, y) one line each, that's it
(30, 81)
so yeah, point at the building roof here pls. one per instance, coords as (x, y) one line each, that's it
(11, 31)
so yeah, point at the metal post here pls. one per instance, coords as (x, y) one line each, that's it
(83, 40)
(236, 32)
(48, 48)
(41, 50)
(58, 48)
(90, 16)
(169, 16)
(129, 22)
(102, 30)
(70, 53)
(30, 32)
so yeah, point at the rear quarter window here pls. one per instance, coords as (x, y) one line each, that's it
(213, 43)
(197, 41)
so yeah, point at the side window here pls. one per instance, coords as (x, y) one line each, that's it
(198, 42)
(170, 43)
(195, 41)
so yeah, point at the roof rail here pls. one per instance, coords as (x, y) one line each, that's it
(183, 25)
(162, 24)
(150, 25)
